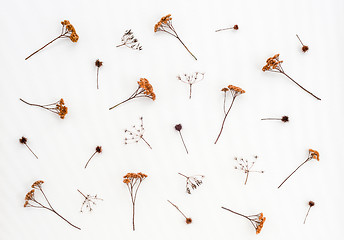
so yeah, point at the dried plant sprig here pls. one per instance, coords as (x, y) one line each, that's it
(312, 154)
(187, 219)
(135, 134)
(192, 182)
(68, 31)
(304, 47)
(235, 91)
(98, 150)
(178, 128)
(23, 140)
(235, 27)
(190, 79)
(310, 204)
(98, 65)
(283, 119)
(273, 64)
(133, 182)
(165, 25)
(31, 201)
(256, 220)
(129, 40)
(57, 107)
(145, 89)
(246, 166)
(89, 201)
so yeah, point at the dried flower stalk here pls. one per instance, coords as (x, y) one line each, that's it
(187, 219)
(178, 128)
(283, 119)
(68, 31)
(246, 166)
(304, 47)
(129, 40)
(235, 27)
(57, 107)
(312, 154)
(311, 204)
(30, 201)
(98, 65)
(192, 182)
(89, 201)
(136, 134)
(190, 79)
(23, 140)
(98, 150)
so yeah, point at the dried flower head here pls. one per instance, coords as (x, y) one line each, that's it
(23, 140)
(187, 219)
(192, 182)
(129, 40)
(89, 201)
(190, 79)
(246, 166)
(58, 107)
(235, 27)
(98, 150)
(304, 47)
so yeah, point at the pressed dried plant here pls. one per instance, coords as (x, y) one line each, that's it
(165, 25)
(187, 219)
(235, 91)
(129, 40)
(273, 64)
(89, 201)
(192, 182)
(23, 140)
(304, 47)
(57, 107)
(135, 134)
(283, 119)
(178, 128)
(133, 182)
(144, 89)
(235, 27)
(31, 201)
(68, 31)
(190, 79)
(312, 154)
(310, 204)
(98, 65)
(256, 220)
(246, 166)
(98, 150)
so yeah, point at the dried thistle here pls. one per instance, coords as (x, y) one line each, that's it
(178, 128)
(273, 64)
(246, 166)
(190, 79)
(304, 47)
(192, 182)
(98, 65)
(187, 220)
(31, 201)
(57, 107)
(165, 25)
(256, 220)
(68, 31)
(98, 150)
(235, 91)
(310, 204)
(129, 40)
(283, 119)
(133, 182)
(135, 134)
(312, 154)
(89, 201)
(235, 27)
(23, 140)
(145, 89)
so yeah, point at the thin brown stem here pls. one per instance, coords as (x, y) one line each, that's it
(146, 143)
(181, 136)
(223, 123)
(31, 150)
(294, 172)
(186, 47)
(90, 158)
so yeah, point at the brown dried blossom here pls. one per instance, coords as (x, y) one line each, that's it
(187, 219)
(23, 140)
(135, 134)
(89, 201)
(57, 107)
(246, 166)
(129, 40)
(190, 79)
(192, 182)
(98, 150)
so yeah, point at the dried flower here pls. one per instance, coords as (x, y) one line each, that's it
(136, 134)
(23, 140)
(98, 150)
(310, 204)
(246, 166)
(68, 31)
(304, 47)
(30, 200)
(165, 25)
(98, 65)
(235, 91)
(187, 220)
(273, 64)
(145, 89)
(235, 27)
(192, 182)
(133, 182)
(191, 79)
(283, 119)
(311, 154)
(89, 201)
(130, 41)
(178, 128)
(256, 220)
(57, 107)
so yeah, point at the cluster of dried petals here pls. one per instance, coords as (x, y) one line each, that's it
(37, 184)
(30, 195)
(62, 110)
(163, 21)
(235, 89)
(147, 87)
(272, 63)
(314, 154)
(73, 36)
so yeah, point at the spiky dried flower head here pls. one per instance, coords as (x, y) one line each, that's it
(147, 87)
(285, 119)
(98, 63)
(30, 195)
(272, 63)
(235, 27)
(37, 184)
(62, 110)
(314, 154)
(23, 140)
(311, 203)
(305, 48)
(99, 149)
(74, 36)
(261, 221)
(188, 220)
(236, 89)
(163, 21)
(178, 127)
